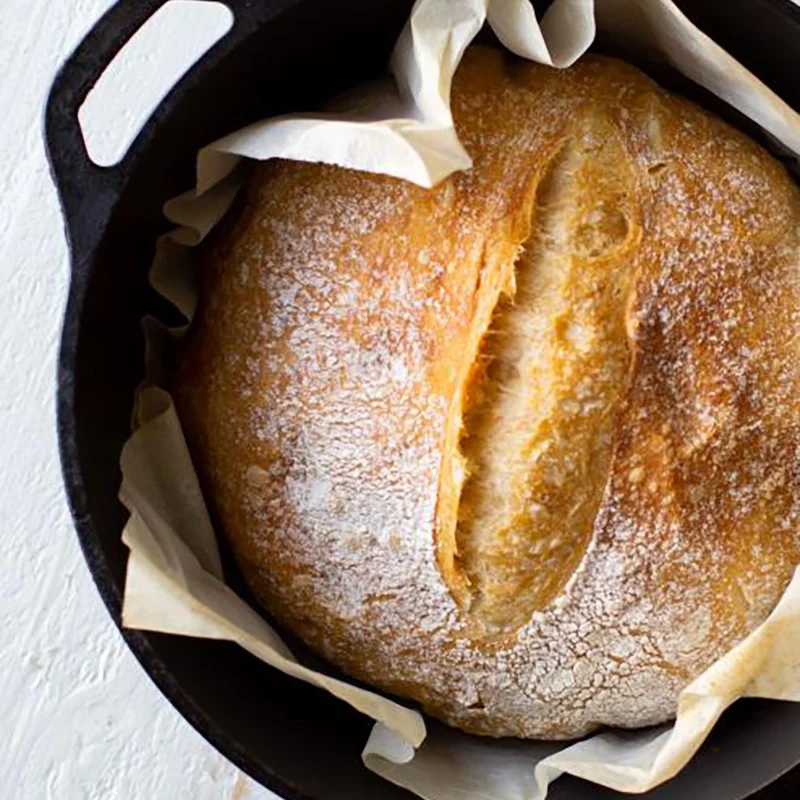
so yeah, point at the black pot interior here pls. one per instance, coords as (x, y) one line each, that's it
(284, 56)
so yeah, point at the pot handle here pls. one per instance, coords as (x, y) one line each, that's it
(87, 191)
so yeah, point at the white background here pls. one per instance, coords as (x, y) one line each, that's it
(79, 718)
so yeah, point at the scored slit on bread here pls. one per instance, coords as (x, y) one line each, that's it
(550, 372)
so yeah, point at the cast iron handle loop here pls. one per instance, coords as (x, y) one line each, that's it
(85, 189)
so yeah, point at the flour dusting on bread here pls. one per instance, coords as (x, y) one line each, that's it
(525, 447)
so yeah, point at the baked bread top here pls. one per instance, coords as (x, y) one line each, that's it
(524, 447)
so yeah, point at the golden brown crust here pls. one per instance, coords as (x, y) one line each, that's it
(539, 493)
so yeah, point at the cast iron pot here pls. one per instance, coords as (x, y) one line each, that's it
(251, 713)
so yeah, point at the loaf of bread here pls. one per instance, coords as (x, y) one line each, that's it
(525, 447)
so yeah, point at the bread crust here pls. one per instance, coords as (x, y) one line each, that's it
(523, 447)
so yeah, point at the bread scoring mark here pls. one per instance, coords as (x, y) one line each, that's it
(541, 399)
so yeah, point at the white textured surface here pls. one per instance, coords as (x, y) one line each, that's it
(80, 719)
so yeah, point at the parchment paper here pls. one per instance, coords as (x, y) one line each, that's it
(404, 128)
